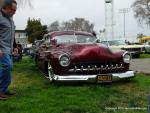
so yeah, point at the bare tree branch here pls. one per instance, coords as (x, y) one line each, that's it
(141, 9)
(24, 2)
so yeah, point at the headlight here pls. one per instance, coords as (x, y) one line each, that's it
(126, 57)
(64, 60)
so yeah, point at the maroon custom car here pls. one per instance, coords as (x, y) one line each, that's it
(74, 56)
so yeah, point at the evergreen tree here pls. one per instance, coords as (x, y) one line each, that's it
(35, 30)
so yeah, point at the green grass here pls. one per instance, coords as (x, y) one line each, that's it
(145, 56)
(36, 95)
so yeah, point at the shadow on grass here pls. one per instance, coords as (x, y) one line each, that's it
(82, 83)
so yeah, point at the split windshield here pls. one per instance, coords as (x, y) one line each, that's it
(74, 39)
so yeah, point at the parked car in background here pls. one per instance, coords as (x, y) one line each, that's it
(27, 51)
(147, 46)
(74, 56)
(134, 49)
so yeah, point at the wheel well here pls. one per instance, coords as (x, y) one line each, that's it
(46, 67)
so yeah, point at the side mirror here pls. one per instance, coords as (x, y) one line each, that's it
(97, 40)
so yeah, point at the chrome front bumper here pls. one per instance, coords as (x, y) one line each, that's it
(115, 77)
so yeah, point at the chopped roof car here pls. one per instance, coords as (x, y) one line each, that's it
(74, 56)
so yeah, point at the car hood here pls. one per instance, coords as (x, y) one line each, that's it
(90, 52)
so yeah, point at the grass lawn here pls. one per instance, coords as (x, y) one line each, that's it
(145, 56)
(36, 95)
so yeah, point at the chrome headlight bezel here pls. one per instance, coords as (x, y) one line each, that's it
(126, 57)
(64, 60)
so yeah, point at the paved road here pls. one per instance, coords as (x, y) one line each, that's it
(141, 65)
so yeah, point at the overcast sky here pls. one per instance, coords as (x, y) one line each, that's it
(93, 10)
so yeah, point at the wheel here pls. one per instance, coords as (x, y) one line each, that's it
(50, 72)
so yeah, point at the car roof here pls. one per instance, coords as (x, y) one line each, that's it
(56, 33)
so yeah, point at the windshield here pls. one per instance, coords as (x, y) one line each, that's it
(74, 39)
(116, 42)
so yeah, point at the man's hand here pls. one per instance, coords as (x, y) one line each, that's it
(1, 53)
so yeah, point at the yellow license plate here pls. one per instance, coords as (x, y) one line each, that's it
(104, 78)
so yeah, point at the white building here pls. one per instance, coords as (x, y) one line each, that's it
(21, 37)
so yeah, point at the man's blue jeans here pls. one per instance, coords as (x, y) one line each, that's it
(5, 72)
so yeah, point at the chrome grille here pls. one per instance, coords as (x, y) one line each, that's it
(97, 67)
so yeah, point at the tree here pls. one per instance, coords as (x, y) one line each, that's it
(35, 30)
(22, 2)
(53, 26)
(139, 36)
(141, 10)
(66, 26)
(79, 24)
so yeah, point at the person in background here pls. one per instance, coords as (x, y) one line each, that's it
(15, 55)
(19, 47)
(7, 42)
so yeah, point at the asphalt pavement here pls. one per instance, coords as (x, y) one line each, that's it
(140, 65)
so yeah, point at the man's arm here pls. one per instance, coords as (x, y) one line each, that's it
(1, 53)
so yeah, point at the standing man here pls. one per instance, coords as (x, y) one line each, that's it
(7, 42)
